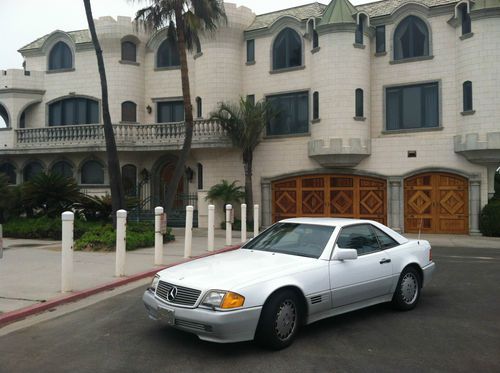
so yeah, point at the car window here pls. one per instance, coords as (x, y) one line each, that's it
(386, 242)
(359, 237)
(294, 239)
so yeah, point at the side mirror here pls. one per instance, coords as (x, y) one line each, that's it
(345, 254)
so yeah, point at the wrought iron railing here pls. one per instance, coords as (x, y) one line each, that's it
(125, 134)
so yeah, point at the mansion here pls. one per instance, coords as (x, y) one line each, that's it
(387, 111)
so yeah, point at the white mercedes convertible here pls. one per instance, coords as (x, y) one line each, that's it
(294, 273)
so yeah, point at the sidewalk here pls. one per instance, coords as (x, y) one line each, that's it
(30, 271)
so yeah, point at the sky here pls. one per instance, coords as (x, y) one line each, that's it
(23, 21)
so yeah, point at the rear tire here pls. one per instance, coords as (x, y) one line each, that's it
(407, 291)
(279, 321)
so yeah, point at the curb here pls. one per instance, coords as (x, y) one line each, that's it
(13, 316)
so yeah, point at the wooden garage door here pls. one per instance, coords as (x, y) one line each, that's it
(437, 203)
(330, 196)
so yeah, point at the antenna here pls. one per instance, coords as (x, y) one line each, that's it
(420, 229)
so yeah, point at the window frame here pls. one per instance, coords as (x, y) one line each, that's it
(467, 97)
(288, 56)
(169, 102)
(50, 67)
(380, 39)
(368, 225)
(132, 106)
(250, 51)
(315, 106)
(416, 129)
(123, 55)
(61, 161)
(82, 182)
(42, 169)
(74, 99)
(465, 19)
(427, 41)
(199, 107)
(170, 64)
(359, 108)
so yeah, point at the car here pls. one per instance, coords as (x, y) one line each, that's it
(294, 273)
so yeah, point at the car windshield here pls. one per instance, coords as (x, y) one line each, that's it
(293, 238)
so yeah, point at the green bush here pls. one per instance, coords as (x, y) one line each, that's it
(88, 235)
(103, 237)
(489, 222)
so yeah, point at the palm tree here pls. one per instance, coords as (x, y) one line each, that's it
(115, 179)
(184, 20)
(244, 124)
(225, 192)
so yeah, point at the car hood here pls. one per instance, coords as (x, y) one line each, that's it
(235, 269)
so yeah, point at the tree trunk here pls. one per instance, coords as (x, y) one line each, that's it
(188, 112)
(115, 180)
(248, 164)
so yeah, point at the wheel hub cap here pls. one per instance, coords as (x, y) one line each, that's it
(409, 288)
(285, 320)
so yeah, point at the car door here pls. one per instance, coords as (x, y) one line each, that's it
(368, 276)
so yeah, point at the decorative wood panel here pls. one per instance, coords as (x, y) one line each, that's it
(330, 196)
(437, 203)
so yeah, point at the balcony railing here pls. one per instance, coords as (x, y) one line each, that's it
(162, 134)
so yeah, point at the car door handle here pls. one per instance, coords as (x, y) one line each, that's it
(383, 261)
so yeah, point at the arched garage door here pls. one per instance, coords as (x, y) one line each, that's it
(330, 196)
(437, 203)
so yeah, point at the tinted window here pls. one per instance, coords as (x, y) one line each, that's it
(315, 39)
(129, 111)
(316, 105)
(292, 238)
(292, 114)
(287, 49)
(73, 111)
(60, 57)
(171, 111)
(386, 242)
(31, 170)
(92, 173)
(129, 179)
(359, 110)
(414, 106)
(411, 39)
(466, 21)
(128, 51)
(359, 237)
(8, 170)
(358, 36)
(167, 55)
(62, 168)
(467, 93)
(380, 39)
(250, 50)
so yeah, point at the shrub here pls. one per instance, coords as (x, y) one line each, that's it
(489, 221)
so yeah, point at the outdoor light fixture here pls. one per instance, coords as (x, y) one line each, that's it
(149, 109)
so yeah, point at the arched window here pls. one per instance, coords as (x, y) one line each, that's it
(60, 57)
(167, 55)
(62, 168)
(287, 49)
(129, 51)
(199, 112)
(4, 117)
(465, 18)
(358, 35)
(92, 173)
(315, 39)
(129, 179)
(467, 93)
(316, 105)
(70, 111)
(359, 103)
(10, 171)
(411, 39)
(31, 170)
(129, 112)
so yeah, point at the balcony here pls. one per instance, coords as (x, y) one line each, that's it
(129, 137)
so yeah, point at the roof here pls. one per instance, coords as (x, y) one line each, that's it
(303, 12)
(78, 36)
(338, 11)
(385, 7)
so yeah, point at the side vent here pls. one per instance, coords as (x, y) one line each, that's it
(316, 299)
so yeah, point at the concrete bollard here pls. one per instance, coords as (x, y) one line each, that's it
(211, 226)
(229, 226)
(188, 236)
(243, 222)
(68, 219)
(158, 236)
(121, 240)
(255, 220)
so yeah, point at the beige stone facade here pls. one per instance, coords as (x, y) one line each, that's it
(466, 144)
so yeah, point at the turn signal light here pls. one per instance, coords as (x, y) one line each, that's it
(232, 300)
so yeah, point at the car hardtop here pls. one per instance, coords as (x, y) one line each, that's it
(344, 222)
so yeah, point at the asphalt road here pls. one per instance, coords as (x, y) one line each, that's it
(455, 328)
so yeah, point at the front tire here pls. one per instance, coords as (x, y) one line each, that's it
(279, 321)
(408, 289)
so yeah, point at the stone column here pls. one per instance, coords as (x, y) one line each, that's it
(475, 206)
(395, 203)
(266, 203)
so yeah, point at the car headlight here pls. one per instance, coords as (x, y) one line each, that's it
(154, 283)
(223, 299)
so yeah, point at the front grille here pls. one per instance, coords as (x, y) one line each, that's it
(193, 325)
(185, 296)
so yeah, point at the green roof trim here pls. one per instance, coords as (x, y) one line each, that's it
(338, 11)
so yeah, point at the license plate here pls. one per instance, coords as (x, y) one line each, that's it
(166, 315)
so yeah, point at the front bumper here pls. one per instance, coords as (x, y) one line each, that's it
(215, 326)
(428, 271)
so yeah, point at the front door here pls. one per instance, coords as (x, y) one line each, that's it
(437, 203)
(369, 276)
